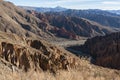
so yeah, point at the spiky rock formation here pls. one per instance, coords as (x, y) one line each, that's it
(37, 55)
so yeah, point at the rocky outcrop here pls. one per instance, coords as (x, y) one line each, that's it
(105, 50)
(35, 55)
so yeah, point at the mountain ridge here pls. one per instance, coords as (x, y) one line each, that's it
(103, 17)
(74, 25)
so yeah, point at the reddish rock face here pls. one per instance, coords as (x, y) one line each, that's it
(105, 50)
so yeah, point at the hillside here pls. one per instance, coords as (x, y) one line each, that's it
(105, 50)
(16, 20)
(66, 25)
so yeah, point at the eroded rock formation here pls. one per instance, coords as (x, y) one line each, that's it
(36, 55)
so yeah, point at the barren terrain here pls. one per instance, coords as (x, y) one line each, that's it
(25, 55)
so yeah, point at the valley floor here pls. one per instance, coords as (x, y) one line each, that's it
(67, 43)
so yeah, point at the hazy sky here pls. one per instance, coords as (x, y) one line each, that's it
(73, 4)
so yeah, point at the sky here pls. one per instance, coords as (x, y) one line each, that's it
(72, 4)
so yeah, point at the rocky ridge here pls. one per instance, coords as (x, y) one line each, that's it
(105, 50)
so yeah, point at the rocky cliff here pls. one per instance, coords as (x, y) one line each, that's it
(105, 50)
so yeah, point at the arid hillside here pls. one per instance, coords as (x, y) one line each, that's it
(16, 20)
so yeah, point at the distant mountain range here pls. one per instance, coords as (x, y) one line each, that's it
(60, 22)
(42, 9)
(109, 18)
(71, 24)
(102, 17)
(47, 25)
(71, 27)
(59, 9)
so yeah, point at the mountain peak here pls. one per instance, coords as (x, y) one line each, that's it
(59, 7)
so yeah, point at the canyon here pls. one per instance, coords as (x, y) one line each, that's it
(33, 46)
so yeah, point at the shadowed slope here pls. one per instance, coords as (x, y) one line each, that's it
(105, 50)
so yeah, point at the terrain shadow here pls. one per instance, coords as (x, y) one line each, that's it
(76, 50)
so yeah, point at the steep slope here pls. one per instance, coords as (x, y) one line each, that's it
(105, 50)
(29, 54)
(103, 17)
(16, 20)
(73, 27)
